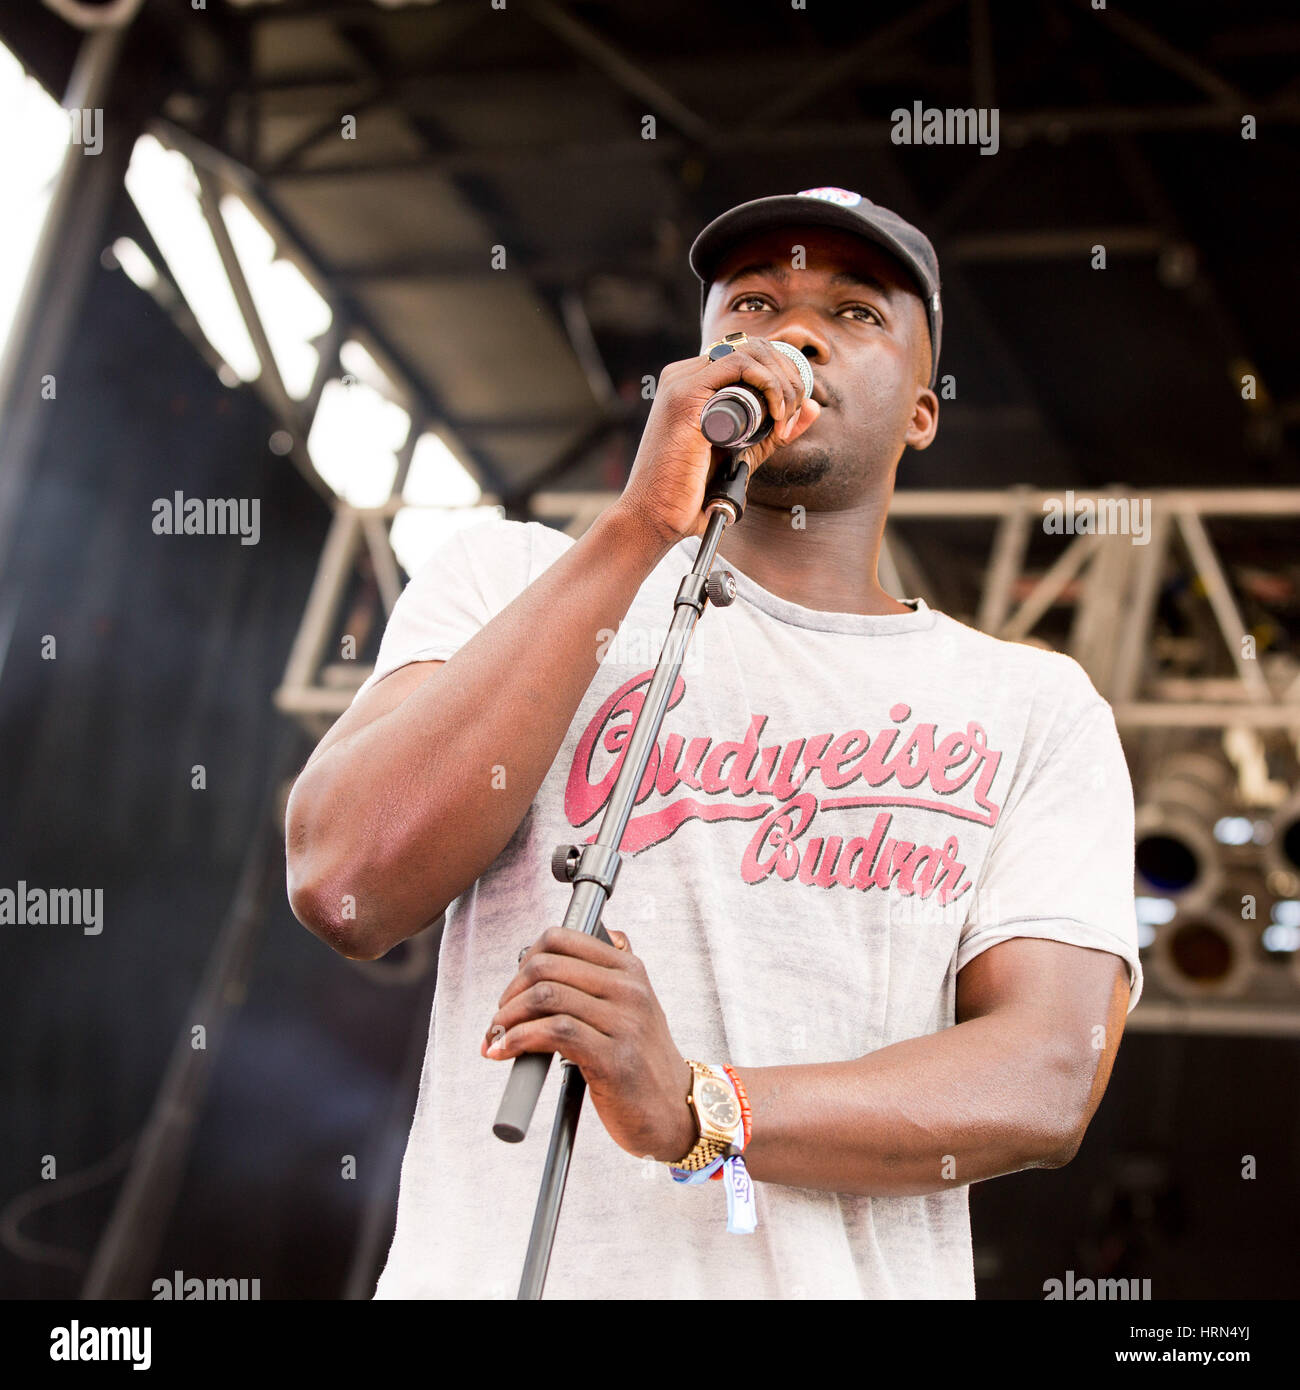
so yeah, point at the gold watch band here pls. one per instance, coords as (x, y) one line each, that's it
(704, 1152)
(705, 1149)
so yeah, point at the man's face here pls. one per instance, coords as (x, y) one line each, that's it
(855, 314)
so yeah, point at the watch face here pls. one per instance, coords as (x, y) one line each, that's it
(719, 1104)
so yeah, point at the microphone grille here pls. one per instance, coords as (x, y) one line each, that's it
(800, 361)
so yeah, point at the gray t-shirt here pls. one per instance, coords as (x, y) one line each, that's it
(842, 811)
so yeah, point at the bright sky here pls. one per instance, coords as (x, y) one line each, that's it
(28, 166)
(359, 425)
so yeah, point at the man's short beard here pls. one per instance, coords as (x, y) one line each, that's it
(803, 472)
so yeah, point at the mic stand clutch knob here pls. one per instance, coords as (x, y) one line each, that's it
(564, 862)
(720, 586)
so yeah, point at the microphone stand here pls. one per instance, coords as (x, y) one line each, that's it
(593, 868)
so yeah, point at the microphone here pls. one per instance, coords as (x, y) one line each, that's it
(736, 415)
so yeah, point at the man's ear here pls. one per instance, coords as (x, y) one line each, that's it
(925, 420)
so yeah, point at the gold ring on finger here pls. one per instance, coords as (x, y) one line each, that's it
(725, 346)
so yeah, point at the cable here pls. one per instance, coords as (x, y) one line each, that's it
(46, 1194)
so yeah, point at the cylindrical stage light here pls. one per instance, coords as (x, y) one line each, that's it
(1175, 853)
(1282, 853)
(1204, 953)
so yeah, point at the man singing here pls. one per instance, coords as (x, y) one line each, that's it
(877, 925)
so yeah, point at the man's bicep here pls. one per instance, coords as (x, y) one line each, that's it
(1041, 975)
(381, 699)
(1070, 1000)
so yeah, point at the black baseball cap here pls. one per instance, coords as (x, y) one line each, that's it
(829, 207)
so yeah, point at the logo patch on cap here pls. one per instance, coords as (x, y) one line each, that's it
(842, 196)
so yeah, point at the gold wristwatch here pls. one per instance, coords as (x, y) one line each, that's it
(717, 1116)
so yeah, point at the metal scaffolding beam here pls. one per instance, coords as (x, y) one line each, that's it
(66, 252)
(1116, 579)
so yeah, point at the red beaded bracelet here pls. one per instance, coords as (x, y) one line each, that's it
(745, 1113)
(746, 1117)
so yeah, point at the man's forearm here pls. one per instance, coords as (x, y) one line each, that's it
(973, 1101)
